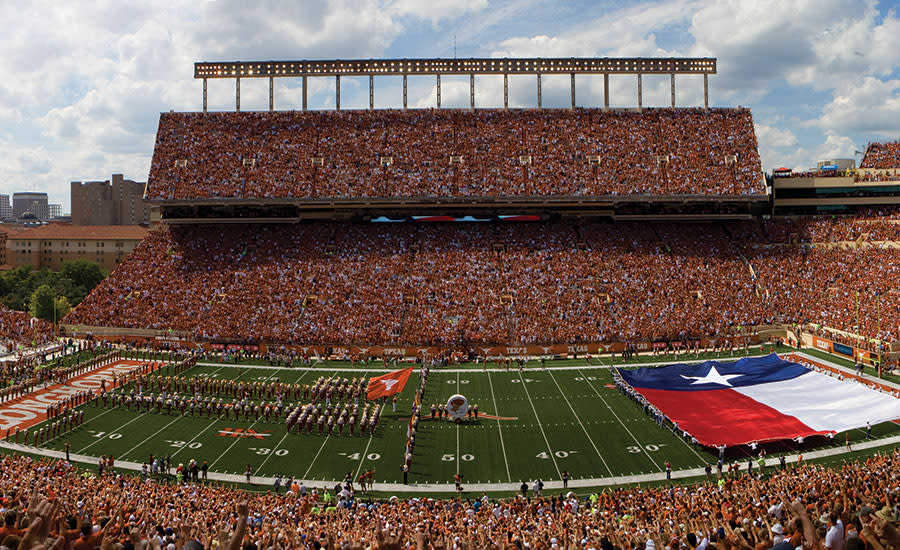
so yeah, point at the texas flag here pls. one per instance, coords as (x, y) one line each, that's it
(759, 399)
(388, 384)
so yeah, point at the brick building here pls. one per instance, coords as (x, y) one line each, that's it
(50, 245)
(112, 202)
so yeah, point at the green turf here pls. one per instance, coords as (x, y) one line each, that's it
(564, 419)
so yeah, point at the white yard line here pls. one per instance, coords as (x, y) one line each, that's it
(306, 473)
(271, 452)
(612, 410)
(218, 458)
(538, 420)
(126, 453)
(457, 429)
(363, 457)
(499, 428)
(575, 414)
(117, 430)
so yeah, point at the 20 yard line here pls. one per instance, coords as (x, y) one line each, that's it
(499, 429)
(605, 465)
(237, 438)
(619, 419)
(538, 419)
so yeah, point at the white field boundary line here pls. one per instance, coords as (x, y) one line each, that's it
(499, 429)
(612, 410)
(233, 443)
(541, 426)
(366, 451)
(117, 430)
(478, 487)
(596, 450)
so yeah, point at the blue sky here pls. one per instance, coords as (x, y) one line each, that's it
(86, 80)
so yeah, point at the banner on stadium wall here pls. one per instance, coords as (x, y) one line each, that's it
(843, 349)
(821, 343)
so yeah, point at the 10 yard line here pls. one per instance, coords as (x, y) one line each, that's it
(579, 423)
(499, 429)
(538, 419)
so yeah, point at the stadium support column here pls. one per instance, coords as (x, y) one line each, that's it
(539, 89)
(505, 91)
(204, 95)
(371, 92)
(572, 76)
(271, 93)
(303, 84)
(438, 91)
(606, 91)
(705, 91)
(672, 88)
(472, 92)
(640, 93)
(237, 94)
(337, 92)
(404, 92)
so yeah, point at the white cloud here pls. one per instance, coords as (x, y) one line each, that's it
(436, 10)
(870, 106)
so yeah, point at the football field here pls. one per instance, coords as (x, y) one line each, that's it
(533, 424)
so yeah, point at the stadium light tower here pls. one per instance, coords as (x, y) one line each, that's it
(436, 67)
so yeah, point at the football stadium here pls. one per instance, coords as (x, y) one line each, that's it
(583, 327)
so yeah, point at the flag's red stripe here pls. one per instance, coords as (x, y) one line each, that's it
(725, 417)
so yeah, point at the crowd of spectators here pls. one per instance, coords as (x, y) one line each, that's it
(854, 507)
(882, 155)
(451, 284)
(447, 153)
(19, 328)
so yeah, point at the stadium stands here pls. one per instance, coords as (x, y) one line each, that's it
(798, 505)
(882, 155)
(17, 327)
(449, 284)
(443, 153)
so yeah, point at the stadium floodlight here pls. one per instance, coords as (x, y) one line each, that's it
(467, 66)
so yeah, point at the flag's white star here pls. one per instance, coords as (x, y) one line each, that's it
(713, 377)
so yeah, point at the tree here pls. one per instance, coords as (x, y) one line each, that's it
(63, 307)
(42, 302)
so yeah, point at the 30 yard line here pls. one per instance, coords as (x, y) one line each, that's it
(237, 438)
(605, 465)
(612, 410)
(499, 429)
(538, 419)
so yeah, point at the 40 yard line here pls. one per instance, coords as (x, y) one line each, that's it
(541, 426)
(605, 465)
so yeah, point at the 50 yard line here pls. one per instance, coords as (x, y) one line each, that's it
(499, 429)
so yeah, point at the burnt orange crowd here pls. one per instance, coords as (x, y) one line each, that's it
(448, 153)
(505, 282)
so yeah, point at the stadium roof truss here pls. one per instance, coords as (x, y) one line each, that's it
(470, 66)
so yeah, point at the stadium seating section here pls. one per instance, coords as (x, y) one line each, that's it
(503, 283)
(446, 153)
(882, 155)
